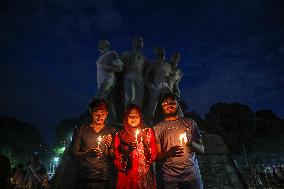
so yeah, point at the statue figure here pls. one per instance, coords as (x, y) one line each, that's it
(156, 78)
(107, 65)
(175, 75)
(133, 81)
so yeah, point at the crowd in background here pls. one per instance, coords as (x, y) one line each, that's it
(33, 175)
(264, 175)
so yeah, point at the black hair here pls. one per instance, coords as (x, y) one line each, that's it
(170, 96)
(95, 103)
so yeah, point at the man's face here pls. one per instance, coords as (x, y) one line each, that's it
(169, 107)
(99, 116)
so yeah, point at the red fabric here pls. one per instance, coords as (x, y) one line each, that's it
(138, 177)
(128, 133)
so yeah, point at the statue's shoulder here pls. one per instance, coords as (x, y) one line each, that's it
(126, 57)
(126, 54)
(112, 53)
(109, 55)
(166, 64)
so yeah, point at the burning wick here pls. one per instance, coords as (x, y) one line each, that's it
(136, 135)
(99, 141)
(182, 137)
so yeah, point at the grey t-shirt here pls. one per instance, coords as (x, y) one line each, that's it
(92, 167)
(167, 134)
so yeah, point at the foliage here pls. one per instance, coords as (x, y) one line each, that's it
(234, 122)
(18, 139)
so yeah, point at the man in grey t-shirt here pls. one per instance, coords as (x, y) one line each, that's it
(92, 147)
(178, 139)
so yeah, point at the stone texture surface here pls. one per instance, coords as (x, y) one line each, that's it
(217, 168)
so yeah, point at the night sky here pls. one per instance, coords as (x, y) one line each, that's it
(231, 51)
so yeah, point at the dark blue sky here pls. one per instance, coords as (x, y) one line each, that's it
(232, 51)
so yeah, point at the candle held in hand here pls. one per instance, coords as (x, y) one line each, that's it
(182, 137)
(136, 134)
(99, 141)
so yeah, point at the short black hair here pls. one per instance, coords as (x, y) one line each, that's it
(169, 95)
(96, 103)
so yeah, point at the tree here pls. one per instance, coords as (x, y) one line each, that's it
(234, 122)
(18, 138)
(269, 133)
(64, 130)
(196, 117)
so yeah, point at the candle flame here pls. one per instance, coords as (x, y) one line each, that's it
(182, 137)
(99, 139)
(136, 135)
(137, 132)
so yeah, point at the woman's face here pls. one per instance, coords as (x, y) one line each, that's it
(133, 118)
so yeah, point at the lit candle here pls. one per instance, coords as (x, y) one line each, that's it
(136, 134)
(99, 141)
(182, 137)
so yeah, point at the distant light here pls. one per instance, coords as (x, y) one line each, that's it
(59, 150)
(56, 159)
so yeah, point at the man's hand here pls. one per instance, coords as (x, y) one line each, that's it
(107, 139)
(95, 152)
(175, 151)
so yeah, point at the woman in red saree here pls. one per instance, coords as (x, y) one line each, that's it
(135, 151)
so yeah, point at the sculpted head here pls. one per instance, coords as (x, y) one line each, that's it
(175, 58)
(138, 42)
(103, 45)
(160, 53)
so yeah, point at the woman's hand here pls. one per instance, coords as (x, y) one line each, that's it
(125, 162)
(132, 146)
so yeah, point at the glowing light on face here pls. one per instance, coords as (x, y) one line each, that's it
(169, 106)
(99, 116)
(134, 118)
